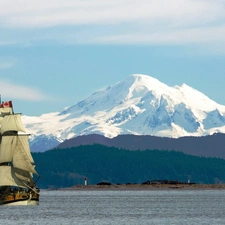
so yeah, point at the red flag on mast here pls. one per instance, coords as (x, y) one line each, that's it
(6, 104)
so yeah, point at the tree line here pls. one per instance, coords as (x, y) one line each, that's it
(97, 163)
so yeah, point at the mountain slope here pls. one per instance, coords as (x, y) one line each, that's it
(139, 105)
(206, 146)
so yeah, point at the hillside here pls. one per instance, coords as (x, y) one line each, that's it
(208, 146)
(68, 167)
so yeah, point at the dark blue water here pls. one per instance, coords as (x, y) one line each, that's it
(121, 207)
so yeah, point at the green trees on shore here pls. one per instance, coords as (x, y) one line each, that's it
(68, 167)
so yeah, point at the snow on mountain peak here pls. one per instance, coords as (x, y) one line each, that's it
(144, 80)
(197, 100)
(140, 104)
(175, 95)
(148, 83)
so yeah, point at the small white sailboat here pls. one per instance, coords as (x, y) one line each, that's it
(17, 167)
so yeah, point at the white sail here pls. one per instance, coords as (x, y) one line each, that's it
(24, 176)
(8, 177)
(7, 147)
(22, 158)
(12, 123)
(25, 144)
(5, 111)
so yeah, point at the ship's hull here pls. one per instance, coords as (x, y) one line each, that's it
(19, 196)
(23, 202)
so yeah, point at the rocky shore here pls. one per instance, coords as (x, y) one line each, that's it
(147, 187)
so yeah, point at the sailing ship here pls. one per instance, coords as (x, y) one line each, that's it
(17, 167)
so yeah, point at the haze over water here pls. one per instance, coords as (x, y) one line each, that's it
(121, 207)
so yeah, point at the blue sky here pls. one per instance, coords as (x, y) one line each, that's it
(55, 53)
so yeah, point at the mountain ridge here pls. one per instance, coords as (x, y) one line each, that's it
(206, 146)
(139, 105)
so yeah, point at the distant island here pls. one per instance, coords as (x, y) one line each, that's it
(148, 187)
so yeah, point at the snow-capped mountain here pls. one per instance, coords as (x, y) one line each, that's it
(138, 105)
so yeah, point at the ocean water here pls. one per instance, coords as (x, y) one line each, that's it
(121, 207)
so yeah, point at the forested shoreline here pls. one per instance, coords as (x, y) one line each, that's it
(68, 167)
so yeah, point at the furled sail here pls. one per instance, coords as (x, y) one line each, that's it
(8, 177)
(12, 123)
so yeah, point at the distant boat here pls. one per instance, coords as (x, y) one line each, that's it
(17, 186)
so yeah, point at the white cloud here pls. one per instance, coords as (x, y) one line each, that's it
(42, 13)
(116, 21)
(11, 90)
(181, 36)
(6, 64)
